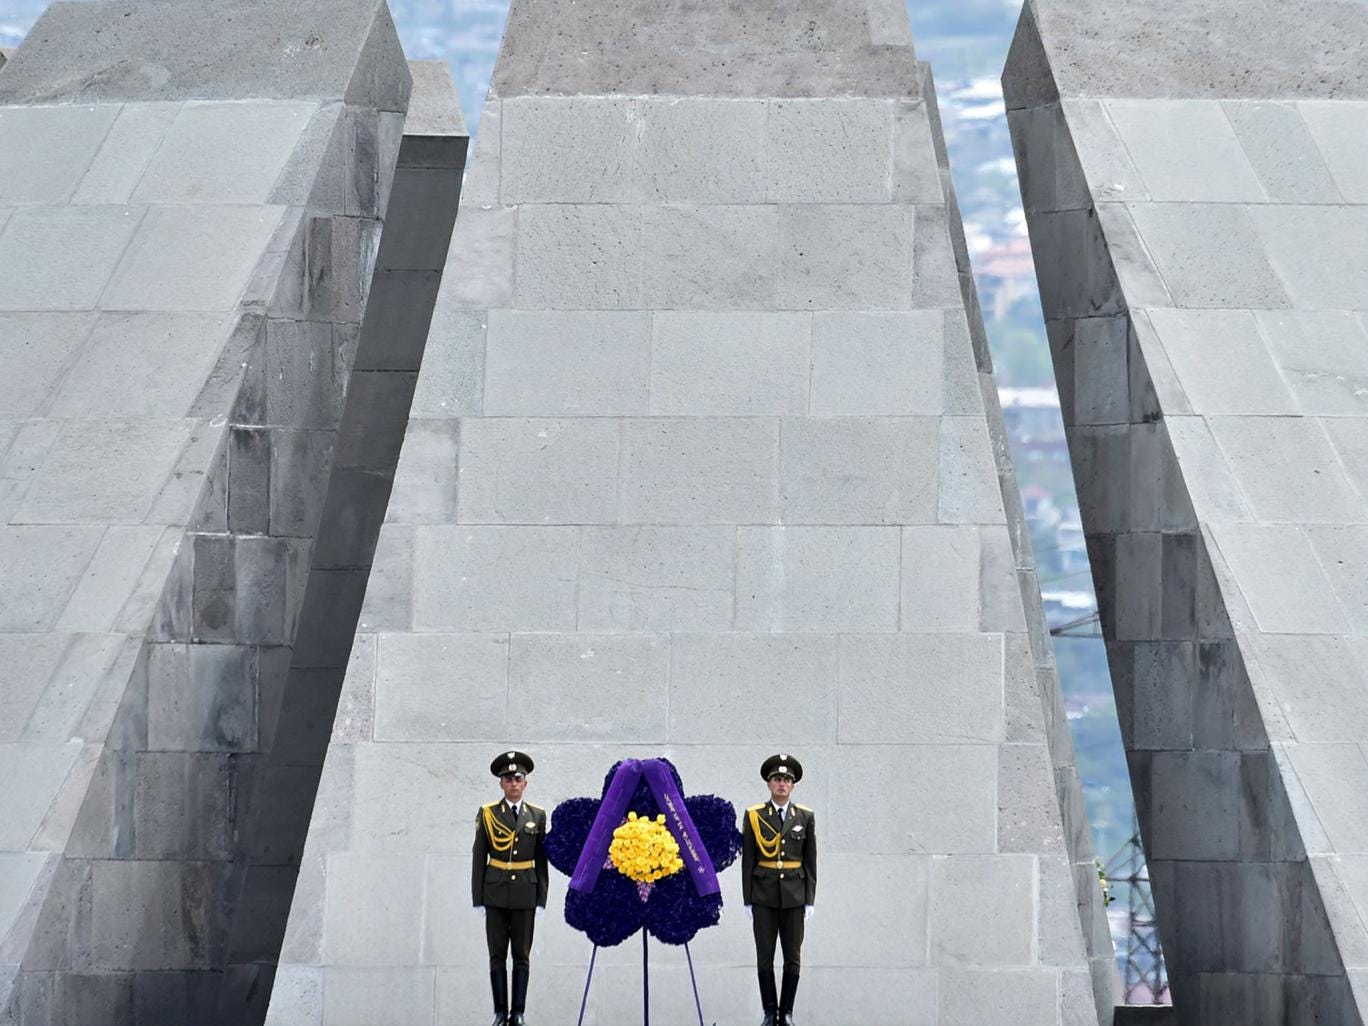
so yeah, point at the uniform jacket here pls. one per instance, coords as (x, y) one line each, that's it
(503, 888)
(775, 888)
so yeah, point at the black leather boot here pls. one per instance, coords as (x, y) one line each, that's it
(769, 1000)
(498, 984)
(519, 1004)
(790, 991)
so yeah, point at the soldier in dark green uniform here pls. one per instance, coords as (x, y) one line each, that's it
(508, 881)
(779, 881)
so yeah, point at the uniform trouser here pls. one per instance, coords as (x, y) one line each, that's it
(784, 925)
(510, 926)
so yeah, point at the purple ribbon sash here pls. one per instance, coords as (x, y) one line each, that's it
(613, 810)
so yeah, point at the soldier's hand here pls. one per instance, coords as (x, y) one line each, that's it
(807, 913)
(749, 913)
(540, 910)
(482, 910)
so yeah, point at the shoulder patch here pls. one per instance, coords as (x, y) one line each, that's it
(803, 807)
(490, 805)
(756, 808)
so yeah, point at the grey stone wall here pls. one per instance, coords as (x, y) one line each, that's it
(182, 279)
(1195, 212)
(701, 462)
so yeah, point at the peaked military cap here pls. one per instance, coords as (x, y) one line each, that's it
(783, 763)
(511, 762)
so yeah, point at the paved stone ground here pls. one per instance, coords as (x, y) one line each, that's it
(183, 261)
(705, 460)
(1194, 179)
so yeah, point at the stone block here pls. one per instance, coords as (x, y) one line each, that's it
(110, 579)
(1102, 158)
(721, 687)
(1287, 469)
(374, 910)
(202, 698)
(224, 152)
(701, 150)
(938, 820)
(327, 618)
(940, 578)
(405, 797)
(1191, 244)
(189, 258)
(935, 262)
(569, 149)
(389, 589)
(351, 519)
(479, 267)
(297, 996)
(817, 578)
(700, 471)
(1192, 803)
(143, 365)
(1337, 128)
(183, 806)
(1282, 152)
(729, 364)
(371, 437)
(1185, 150)
(968, 890)
(422, 201)
(1322, 357)
(1315, 251)
(839, 257)
(916, 175)
(41, 349)
(44, 565)
(841, 915)
(1028, 805)
(836, 150)
(1316, 679)
(878, 364)
(859, 471)
(436, 687)
(425, 481)
(61, 258)
(534, 471)
(566, 363)
(579, 256)
(300, 461)
(452, 382)
(656, 578)
(306, 375)
(712, 257)
(1203, 346)
(31, 660)
(49, 150)
(109, 472)
(494, 578)
(401, 301)
(173, 899)
(967, 488)
(90, 666)
(972, 997)
(1128, 261)
(567, 688)
(893, 689)
(375, 996)
(125, 153)
(19, 871)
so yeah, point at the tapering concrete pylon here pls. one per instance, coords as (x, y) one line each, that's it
(705, 460)
(1193, 176)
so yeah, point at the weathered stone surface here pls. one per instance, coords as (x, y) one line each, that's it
(1216, 455)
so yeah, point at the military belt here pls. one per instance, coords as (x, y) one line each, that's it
(780, 864)
(511, 865)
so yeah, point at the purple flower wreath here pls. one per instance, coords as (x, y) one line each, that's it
(671, 909)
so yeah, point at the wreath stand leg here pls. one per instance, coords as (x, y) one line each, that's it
(692, 979)
(585, 1000)
(645, 982)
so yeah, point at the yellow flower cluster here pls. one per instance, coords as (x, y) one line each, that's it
(644, 850)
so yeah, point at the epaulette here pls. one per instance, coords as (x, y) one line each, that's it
(803, 807)
(490, 805)
(531, 806)
(757, 808)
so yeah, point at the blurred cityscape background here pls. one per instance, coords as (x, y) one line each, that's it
(966, 42)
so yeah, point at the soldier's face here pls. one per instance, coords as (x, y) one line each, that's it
(780, 788)
(513, 784)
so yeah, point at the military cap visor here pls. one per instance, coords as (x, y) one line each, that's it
(511, 762)
(781, 764)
